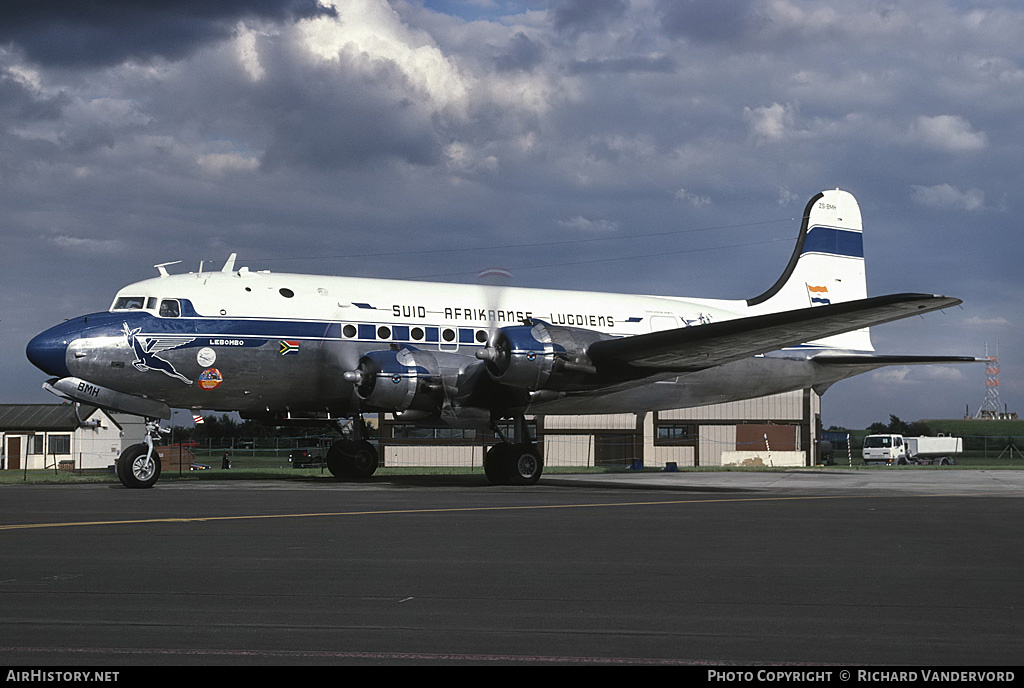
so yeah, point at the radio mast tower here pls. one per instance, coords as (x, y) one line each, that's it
(990, 408)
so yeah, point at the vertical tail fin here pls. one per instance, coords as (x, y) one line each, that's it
(826, 267)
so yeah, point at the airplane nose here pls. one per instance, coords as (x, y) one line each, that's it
(47, 351)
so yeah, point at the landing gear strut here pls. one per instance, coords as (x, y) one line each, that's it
(353, 458)
(514, 463)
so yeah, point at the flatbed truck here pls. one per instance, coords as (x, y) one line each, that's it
(897, 450)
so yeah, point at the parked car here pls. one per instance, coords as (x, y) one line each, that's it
(306, 458)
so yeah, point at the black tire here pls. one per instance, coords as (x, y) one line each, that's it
(134, 470)
(496, 464)
(526, 464)
(513, 464)
(352, 460)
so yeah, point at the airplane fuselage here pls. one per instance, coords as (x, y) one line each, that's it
(259, 342)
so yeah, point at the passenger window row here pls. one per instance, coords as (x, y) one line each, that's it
(415, 333)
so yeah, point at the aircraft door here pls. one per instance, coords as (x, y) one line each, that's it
(663, 322)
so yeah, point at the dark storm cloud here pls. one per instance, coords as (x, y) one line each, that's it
(707, 22)
(91, 34)
(21, 104)
(333, 114)
(348, 126)
(18, 101)
(574, 16)
(521, 54)
(624, 65)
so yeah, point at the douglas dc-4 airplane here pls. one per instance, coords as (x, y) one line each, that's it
(287, 347)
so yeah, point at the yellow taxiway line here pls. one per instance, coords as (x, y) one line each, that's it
(444, 510)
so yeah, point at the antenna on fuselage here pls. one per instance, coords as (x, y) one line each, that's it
(162, 267)
(229, 266)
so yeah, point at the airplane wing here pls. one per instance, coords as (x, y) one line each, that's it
(704, 346)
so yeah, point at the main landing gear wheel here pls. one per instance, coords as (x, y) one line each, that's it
(135, 469)
(352, 459)
(513, 464)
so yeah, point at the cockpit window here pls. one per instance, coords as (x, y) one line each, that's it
(169, 308)
(151, 303)
(125, 303)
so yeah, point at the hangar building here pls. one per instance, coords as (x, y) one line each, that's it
(777, 430)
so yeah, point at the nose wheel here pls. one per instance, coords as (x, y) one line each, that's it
(137, 468)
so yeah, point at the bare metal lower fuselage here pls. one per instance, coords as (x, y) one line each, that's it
(259, 379)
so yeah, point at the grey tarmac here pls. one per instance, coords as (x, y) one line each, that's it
(823, 567)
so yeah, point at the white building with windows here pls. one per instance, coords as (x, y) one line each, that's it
(63, 436)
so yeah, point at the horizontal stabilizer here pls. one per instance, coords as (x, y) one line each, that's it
(705, 346)
(882, 360)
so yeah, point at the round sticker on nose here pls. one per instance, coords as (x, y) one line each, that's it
(206, 357)
(210, 379)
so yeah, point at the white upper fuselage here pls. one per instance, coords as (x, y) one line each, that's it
(454, 309)
(827, 267)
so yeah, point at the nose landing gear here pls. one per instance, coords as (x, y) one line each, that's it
(138, 466)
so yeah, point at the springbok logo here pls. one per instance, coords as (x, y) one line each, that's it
(146, 359)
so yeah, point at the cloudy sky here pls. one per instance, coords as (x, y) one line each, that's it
(644, 146)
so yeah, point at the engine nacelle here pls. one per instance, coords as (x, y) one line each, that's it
(540, 356)
(398, 381)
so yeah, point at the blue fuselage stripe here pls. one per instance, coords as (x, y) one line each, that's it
(206, 331)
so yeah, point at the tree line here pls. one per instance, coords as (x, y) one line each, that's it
(895, 426)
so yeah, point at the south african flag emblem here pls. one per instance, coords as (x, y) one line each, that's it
(289, 348)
